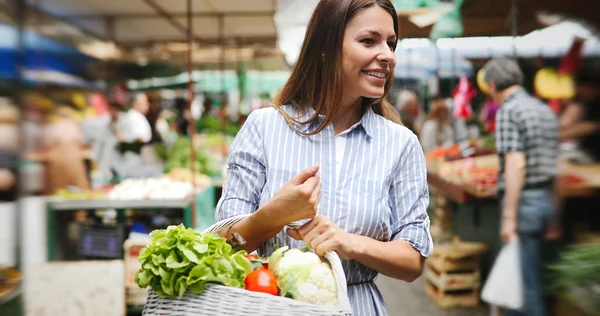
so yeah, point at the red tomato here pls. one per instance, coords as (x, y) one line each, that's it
(262, 280)
(252, 257)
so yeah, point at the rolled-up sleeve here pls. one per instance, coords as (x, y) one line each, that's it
(246, 172)
(409, 198)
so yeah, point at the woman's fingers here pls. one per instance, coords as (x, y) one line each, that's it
(316, 194)
(315, 240)
(304, 175)
(309, 226)
(294, 234)
(309, 186)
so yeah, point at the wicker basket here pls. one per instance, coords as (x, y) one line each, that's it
(222, 300)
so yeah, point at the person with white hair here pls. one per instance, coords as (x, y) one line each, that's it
(411, 112)
(527, 145)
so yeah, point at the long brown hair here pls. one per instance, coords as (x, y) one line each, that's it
(316, 78)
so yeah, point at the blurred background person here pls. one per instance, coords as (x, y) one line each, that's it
(437, 130)
(580, 121)
(182, 117)
(411, 112)
(9, 143)
(527, 145)
(63, 141)
(105, 149)
(136, 127)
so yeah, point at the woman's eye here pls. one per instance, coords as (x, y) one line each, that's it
(392, 45)
(368, 41)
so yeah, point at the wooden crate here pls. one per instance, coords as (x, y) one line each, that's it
(447, 299)
(459, 249)
(446, 264)
(450, 281)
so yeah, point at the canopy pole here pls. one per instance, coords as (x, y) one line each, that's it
(21, 20)
(191, 126)
(223, 82)
(514, 12)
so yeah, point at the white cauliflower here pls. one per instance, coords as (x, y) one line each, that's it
(303, 276)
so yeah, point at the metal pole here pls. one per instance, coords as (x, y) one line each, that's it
(191, 126)
(515, 25)
(223, 80)
(20, 16)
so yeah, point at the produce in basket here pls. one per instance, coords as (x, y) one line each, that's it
(304, 276)
(178, 259)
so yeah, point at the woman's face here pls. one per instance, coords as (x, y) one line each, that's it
(367, 55)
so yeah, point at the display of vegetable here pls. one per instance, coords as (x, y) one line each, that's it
(179, 156)
(577, 273)
(178, 259)
(303, 276)
(160, 188)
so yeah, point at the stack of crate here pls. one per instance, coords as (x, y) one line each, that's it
(442, 221)
(453, 275)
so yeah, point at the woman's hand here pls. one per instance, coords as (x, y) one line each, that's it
(299, 198)
(323, 235)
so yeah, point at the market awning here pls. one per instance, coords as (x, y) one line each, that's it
(135, 23)
(494, 18)
(216, 81)
(44, 61)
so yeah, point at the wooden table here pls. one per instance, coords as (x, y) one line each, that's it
(462, 193)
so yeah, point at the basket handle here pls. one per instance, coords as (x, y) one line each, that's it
(331, 256)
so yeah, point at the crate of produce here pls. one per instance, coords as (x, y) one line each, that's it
(457, 280)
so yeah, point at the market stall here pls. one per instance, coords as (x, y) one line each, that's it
(465, 204)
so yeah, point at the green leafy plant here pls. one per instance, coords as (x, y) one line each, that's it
(578, 273)
(179, 156)
(178, 259)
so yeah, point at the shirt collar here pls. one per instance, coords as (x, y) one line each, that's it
(514, 95)
(368, 122)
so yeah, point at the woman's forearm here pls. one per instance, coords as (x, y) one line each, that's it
(256, 228)
(396, 259)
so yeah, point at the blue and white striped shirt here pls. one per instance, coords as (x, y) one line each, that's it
(381, 191)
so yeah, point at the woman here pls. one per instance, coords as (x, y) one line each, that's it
(367, 182)
(437, 130)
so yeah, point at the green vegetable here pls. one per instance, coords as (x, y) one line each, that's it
(178, 259)
(578, 274)
(178, 156)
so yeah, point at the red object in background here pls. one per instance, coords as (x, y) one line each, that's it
(462, 95)
(99, 104)
(119, 94)
(572, 179)
(571, 62)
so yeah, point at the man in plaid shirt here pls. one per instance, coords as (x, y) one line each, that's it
(527, 144)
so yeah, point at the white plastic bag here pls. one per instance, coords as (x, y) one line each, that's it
(504, 286)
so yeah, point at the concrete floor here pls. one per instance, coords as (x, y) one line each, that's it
(404, 299)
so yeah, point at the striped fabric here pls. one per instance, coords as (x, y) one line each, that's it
(381, 191)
